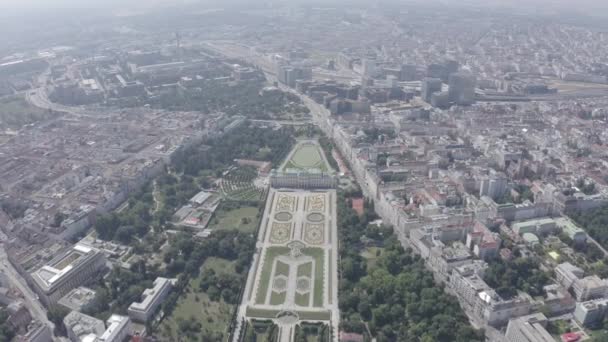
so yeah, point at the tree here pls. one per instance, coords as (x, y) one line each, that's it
(6, 331)
(56, 314)
(124, 234)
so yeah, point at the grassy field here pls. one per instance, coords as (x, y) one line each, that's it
(15, 112)
(318, 254)
(261, 313)
(306, 157)
(233, 219)
(214, 316)
(304, 270)
(302, 299)
(265, 277)
(281, 269)
(271, 254)
(277, 298)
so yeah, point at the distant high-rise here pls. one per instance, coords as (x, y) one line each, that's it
(451, 66)
(430, 86)
(435, 70)
(408, 72)
(462, 88)
(440, 99)
(369, 67)
(288, 75)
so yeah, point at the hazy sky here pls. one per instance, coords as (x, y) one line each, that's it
(45, 4)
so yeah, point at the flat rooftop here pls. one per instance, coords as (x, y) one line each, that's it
(150, 295)
(61, 265)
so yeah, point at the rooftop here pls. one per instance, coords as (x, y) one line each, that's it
(150, 294)
(78, 298)
(62, 264)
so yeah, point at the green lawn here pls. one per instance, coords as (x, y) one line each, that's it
(319, 255)
(213, 316)
(233, 219)
(261, 313)
(302, 299)
(281, 269)
(307, 157)
(271, 254)
(277, 298)
(305, 269)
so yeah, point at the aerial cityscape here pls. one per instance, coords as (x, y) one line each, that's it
(304, 171)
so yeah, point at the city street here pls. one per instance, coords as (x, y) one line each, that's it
(29, 297)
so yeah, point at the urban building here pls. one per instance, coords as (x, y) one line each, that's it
(302, 180)
(591, 312)
(493, 185)
(83, 328)
(70, 269)
(530, 328)
(36, 332)
(78, 299)
(462, 88)
(429, 87)
(118, 328)
(584, 288)
(152, 299)
(440, 99)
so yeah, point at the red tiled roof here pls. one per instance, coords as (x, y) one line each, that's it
(358, 205)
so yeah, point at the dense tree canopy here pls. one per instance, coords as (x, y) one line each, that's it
(248, 142)
(594, 222)
(397, 298)
(6, 331)
(519, 274)
(233, 99)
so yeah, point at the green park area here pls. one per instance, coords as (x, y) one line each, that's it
(371, 254)
(318, 255)
(271, 254)
(266, 276)
(239, 185)
(244, 219)
(304, 270)
(306, 157)
(195, 311)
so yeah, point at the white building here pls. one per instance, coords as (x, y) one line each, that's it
(118, 328)
(84, 328)
(68, 270)
(152, 299)
(587, 288)
(591, 312)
